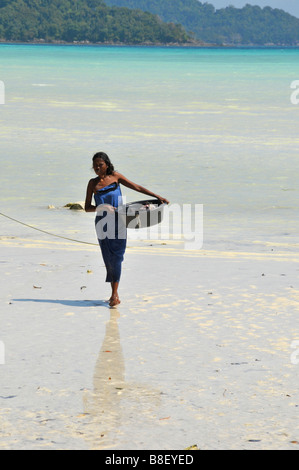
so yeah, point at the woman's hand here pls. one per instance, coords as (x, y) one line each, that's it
(163, 200)
(105, 208)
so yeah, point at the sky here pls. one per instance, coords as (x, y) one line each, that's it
(290, 6)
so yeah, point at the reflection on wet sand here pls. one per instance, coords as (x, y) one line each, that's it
(114, 403)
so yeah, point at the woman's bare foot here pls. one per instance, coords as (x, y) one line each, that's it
(114, 300)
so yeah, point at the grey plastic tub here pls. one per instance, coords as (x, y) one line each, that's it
(142, 214)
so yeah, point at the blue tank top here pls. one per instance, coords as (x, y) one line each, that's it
(109, 195)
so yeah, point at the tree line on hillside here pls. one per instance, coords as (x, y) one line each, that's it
(230, 25)
(83, 20)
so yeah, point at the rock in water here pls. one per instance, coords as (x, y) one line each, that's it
(75, 206)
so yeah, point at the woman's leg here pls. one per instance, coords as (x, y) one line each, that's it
(113, 250)
(114, 299)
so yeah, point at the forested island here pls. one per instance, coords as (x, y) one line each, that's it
(87, 21)
(251, 25)
(163, 22)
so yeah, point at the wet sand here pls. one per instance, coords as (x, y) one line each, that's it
(198, 352)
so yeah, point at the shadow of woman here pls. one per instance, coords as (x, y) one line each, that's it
(69, 303)
(113, 402)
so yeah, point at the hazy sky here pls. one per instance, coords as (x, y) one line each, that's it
(291, 6)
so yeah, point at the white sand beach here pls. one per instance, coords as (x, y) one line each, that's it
(198, 352)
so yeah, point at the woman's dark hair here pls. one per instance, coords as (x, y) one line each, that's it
(103, 156)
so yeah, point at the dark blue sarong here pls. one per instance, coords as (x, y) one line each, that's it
(111, 230)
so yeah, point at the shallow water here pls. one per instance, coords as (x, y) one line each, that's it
(206, 126)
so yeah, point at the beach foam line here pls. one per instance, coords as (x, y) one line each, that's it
(233, 255)
(160, 250)
(277, 244)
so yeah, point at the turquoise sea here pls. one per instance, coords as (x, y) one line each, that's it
(202, 126)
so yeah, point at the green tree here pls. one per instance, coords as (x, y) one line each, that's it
(80, 20)
(248, 25)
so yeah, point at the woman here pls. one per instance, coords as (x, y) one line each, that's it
(107, 194)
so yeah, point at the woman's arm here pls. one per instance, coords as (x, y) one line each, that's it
(136, 187)
(89, 193)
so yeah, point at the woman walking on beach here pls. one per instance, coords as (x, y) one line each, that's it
(105, 189)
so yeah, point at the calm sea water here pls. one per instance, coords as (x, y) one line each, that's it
(202, 126)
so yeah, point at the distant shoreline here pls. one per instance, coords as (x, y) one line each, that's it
(187, 45)
(107, 43)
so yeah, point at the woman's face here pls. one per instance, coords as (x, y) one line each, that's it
(100, 167)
